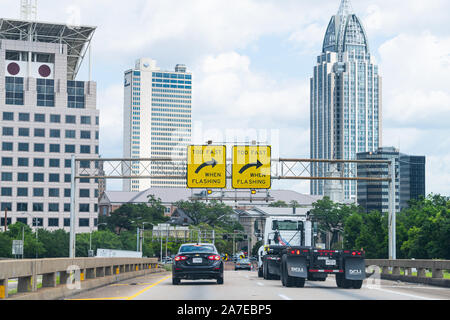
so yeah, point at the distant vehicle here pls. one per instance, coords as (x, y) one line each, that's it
(167, 260)
(196, 261)
(243, 264)
(109, 253)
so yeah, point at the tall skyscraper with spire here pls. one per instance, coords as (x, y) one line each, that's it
(345, 99)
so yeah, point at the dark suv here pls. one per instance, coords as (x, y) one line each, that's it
(197, 261)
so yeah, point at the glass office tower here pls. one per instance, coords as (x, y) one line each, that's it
(345, 99)
(157, 122)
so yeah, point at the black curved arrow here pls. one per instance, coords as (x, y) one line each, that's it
(257, 164)
(212, 163)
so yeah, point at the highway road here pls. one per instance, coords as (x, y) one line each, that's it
(245, 285)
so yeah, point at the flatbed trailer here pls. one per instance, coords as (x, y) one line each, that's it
(296, 264)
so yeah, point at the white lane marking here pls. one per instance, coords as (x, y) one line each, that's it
(282, 296)
(405, 294)
(260, 284)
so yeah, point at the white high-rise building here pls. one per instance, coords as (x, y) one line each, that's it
(345, 99)
(157, 122)
(46, 116)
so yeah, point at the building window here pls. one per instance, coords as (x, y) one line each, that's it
(85, 120)
(38, 177)
(85, 134)
(71, 119)
(83, 222)
(67, 193)
(38, 162)
(24, 147)
(69, 148)
(38, 192)
(6, 176)
(53, 177)
(39, 132)
(7, 161)
(70, 134)
(75, 94)
(14, 91)
(22, 176)
(55, 118)
(6, 192)
(53, 192)
(39, 147)
(24, 132)
(22, 162)
(22, 220)
(84, 193)
(54, 163)
(66, 222)
(55, 148)
(6, 206)
(22, 207)
(85, 149)
(66, 207)
(53, 207)
(39, 117)
(7, 146)
(22, 192)
(84, 207)
(53, 222)
(38, 207)
(45, 92)
(55, 133)
(8, 116)
(24, 117)
(8, 131)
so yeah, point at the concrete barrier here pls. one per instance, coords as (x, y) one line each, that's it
(75, 275)
(392, 270)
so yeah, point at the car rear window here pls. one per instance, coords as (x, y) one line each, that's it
(197, 248)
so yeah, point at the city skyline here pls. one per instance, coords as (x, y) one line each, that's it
(247, 72)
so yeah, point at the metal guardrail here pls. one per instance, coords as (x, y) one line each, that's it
(69, 270)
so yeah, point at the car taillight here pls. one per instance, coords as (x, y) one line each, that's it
(180, 258)
(214, 257)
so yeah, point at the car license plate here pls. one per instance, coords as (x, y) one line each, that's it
(197, 260)
(330, 262)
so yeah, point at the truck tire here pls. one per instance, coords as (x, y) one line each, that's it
(260, 272)
(357, 284)
(341, 282)
(175, 281)
(300, 282)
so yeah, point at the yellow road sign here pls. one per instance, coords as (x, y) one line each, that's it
(251, 167)
(206, 167)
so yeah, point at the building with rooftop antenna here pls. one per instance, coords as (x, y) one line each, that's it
(46, 116)
(345, 99)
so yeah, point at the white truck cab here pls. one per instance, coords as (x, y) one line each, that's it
(285, 231)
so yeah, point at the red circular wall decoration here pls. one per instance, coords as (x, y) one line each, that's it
(44, 71)
(13, 68)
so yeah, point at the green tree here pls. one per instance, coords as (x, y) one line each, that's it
(427, 226)
(330, 217)
(279, 204)
(130, 216)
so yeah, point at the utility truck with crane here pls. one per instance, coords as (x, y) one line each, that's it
(289, 253)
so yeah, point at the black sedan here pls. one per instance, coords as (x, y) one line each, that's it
(197, 261)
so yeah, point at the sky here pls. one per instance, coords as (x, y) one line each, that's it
(252, 60)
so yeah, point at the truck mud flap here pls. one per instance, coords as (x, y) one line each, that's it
(273, 267)
(296, 267)
(355, 269)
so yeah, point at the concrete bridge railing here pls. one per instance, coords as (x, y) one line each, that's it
(71, 272)
(404, 270)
